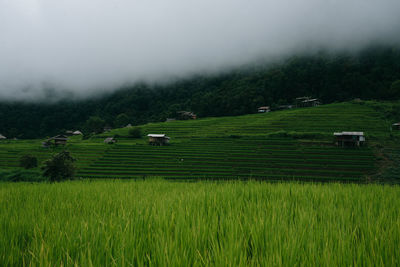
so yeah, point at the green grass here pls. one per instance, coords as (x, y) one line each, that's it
(159, 223)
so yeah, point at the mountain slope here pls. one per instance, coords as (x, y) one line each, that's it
(290, 144)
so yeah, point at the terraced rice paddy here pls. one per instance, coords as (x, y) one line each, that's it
(226, 158)
(292, 144)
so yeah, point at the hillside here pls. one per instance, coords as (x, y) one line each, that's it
(368, 75)
(289, 144)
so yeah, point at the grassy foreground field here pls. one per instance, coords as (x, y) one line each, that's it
(161, 223)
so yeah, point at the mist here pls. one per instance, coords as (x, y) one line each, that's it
(77, 49)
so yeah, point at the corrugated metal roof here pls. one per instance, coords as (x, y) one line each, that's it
(349, 133)
(109, 139)
(156, 135)
(310, 100)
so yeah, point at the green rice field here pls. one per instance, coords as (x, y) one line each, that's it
(292, 144)
(170, 223)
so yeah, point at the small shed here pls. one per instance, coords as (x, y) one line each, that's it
(110, 140)
(77, 132)
(2, 137)
(186, 115)
(314, 102)
(107, 128)
(264, 109)
(349, 139)
(60, 139)
(306, 101)
(56, 140)
(396, 126)
(158, 139)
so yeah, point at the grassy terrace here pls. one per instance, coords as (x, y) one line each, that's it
(291, 144)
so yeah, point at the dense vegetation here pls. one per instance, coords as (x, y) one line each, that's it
(370, 74)
(281, 145)
(159, 223)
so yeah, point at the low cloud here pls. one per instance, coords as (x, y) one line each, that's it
(79, 48)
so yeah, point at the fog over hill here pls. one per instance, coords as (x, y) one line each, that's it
(81, 48)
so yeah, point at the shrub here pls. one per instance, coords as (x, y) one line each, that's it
(135, 132)
(59, 167)
(28, 162)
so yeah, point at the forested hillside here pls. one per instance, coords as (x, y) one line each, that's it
(370, 74)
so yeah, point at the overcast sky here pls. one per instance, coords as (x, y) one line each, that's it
(88, 46)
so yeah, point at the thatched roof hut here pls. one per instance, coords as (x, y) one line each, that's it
(56, 140)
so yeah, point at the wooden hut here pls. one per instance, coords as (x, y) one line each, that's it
(264, 109)
(306, 101)
(158, 139)
(349, 139)
(110, 140)
(313, 102)
(107, 128)
(186, 115)
(60, 140)
(56, 140)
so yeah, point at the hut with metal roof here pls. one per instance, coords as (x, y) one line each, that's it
(306, 101)
(264, 109)
(349, 139)
(396, 126)
(158, 139)
(186, 115)
(2, 137)
(110, 140)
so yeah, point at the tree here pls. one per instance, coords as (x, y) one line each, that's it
(135, 132)
(395, 89)
(28, 162)
(60, 167)
(121, 120)
(94, 125)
